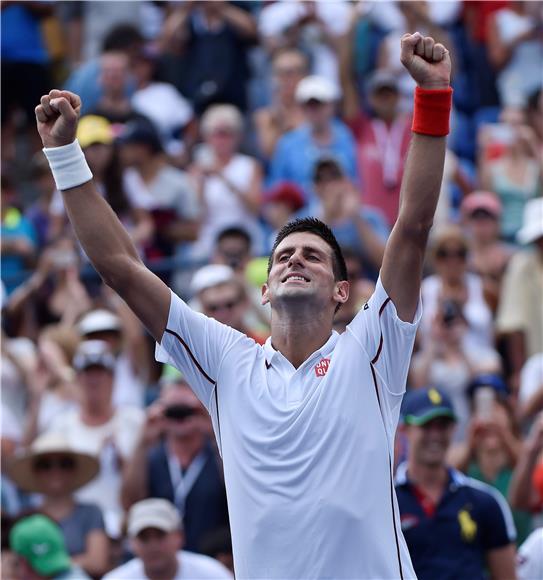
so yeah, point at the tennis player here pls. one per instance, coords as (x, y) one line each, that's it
(305, 424)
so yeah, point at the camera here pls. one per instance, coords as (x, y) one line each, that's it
(451, 312)
(179, 412)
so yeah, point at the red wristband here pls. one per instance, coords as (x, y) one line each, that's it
(432, 111)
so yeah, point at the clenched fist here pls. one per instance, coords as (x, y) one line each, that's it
(57, 116)
(427, 61)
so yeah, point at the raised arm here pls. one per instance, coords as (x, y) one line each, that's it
(429, 64)
(104, 239)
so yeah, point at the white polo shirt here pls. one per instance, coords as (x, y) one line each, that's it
(307, 452)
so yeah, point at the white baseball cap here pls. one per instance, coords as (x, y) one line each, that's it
(99, 321)
(153, 513)
(211, 275)
(316, 88)
(532, 226)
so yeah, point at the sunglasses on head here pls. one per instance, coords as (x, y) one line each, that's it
(48, 463)
(451, 253)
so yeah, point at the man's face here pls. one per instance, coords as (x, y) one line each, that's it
(317, 113)
(177, 426)
(157, 549)
(302, 270)
(428, 443)
(384, 103)
(288, 70)
(114, 72)
(224, 303)
(97, 385)
(233, 251)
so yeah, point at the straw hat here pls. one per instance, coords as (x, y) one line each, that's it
(21, 468)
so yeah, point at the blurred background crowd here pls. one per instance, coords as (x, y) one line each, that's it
(208, 126)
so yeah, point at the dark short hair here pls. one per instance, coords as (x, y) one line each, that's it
(121, 37)
(327, 166)
(235, 232)
(314, 226)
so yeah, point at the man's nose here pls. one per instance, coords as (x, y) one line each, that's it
(295, 258)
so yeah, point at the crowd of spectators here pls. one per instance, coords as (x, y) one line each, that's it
(208, 126)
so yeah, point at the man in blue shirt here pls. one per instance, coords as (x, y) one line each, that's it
(455, 526)
(298, 150)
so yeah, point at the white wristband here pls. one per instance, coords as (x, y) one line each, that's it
(68, 165)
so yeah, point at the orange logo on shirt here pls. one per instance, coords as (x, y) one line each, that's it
(321, 368)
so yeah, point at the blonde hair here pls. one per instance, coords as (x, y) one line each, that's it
(220, 116)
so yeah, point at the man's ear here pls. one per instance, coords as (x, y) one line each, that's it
(265, 298)
(341, 293)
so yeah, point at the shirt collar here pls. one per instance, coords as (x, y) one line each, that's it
(456, 478)
(271, 353)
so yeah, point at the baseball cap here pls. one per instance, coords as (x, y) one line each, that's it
(287, 192)
(141, 131)
(40, 542)
(99, 321)
(492, 380)
(93, 353)
(94, 129)
(316, 88)
(423, 405)
(481, 201)
(153, 513)
(211, 275)
(382, 79)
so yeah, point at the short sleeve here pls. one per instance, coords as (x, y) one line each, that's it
(497, 520)
(93, 518)
(387, 340)
(196, 345)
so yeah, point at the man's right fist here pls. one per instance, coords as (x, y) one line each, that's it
(57, 116)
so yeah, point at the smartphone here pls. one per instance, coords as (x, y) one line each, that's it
(484, 403)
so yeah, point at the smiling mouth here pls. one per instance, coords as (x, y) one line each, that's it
(295, 278)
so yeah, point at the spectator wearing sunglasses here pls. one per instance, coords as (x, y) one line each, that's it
(451, 280)
(53, 468)
(176, 460)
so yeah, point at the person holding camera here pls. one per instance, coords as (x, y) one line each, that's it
(445, 361)
(176, 460)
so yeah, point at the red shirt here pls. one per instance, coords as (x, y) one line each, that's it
(381, 153)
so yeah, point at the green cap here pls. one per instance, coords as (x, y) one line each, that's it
(40, 542)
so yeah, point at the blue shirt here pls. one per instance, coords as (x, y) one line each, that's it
(470, 519)
(21, 39)
(15, 225)
(296, 154)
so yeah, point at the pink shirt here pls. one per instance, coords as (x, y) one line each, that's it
(381, 154)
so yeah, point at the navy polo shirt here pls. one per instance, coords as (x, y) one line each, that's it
(470, 519)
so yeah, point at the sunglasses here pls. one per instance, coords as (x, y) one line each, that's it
(223, 306)
(46, 463)
(444, 253)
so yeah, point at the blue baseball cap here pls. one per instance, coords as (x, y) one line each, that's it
(422, 405)
(489, 380)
